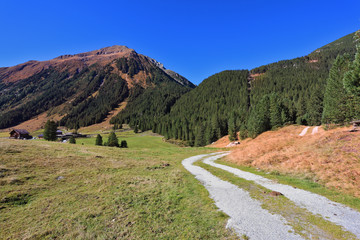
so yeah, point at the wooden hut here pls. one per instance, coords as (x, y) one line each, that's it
(20, 134)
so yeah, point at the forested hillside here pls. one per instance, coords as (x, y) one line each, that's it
(83, 88)
(267, 97)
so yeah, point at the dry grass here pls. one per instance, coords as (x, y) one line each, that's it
(142, 192)
(331, 158)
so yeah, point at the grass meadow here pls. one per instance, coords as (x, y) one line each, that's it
(54, 190)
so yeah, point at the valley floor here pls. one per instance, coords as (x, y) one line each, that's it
(56, 190)
(59, 190)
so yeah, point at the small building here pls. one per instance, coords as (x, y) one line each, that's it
(59, 133)
(20, 134)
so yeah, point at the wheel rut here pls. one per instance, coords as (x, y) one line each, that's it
(249, 218)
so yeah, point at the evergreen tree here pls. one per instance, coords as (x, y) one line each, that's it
(275, 112)
(113, 140)
(243, 132)
(315, 107)
(285, 115)
(50, 131)
(99, 141)
(259, 119)
(232, 129)
(301, 116)
(335, 99)
(123, 144)
(72, 140)
(136, 128)
(352, 82)
(200, 136)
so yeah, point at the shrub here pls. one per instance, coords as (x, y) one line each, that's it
(123, 144)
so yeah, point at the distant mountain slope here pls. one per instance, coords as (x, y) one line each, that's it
(82, 88)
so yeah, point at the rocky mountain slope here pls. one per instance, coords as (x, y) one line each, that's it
(82, 89)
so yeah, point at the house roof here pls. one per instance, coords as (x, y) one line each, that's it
(21, 131)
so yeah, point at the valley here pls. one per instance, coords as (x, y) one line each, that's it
(262, 153)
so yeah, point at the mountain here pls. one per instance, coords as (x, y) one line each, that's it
(82, 89)
(264, 98)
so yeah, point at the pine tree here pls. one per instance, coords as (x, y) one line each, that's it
(72, 140)
(200, 136)
(275, 112)
(243, 131)
(113, 140)
(335, 97)
(232, 129)
(352, 82)
(259, 118)
(136, 128)
(301, 116)
(50, 131)
(99, 141)
(315, 107)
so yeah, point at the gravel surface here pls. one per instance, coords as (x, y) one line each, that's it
(334, 212)
(246, 214)
(303, 132)
(315, 130)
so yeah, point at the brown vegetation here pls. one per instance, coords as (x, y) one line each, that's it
(70, 63)
(329, 157)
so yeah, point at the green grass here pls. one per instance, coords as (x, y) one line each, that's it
(302, 183)
(142, 192)
(303, 222)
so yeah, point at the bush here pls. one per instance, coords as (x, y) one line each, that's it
(72, 140)
(123, 144)
(98, 141)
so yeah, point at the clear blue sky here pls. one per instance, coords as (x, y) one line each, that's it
(193, 38)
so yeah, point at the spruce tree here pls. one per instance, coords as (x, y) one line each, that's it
(335, 98)
(275, 112)
(72, 140)
(243, 131)
(200, 136)
(315, 107)
(113, 140)
(99, 141)
(232, 129)
(352, 82)
(50, 131)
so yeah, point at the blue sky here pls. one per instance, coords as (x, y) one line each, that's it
(193, 38)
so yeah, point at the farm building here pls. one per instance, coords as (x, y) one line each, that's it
(20, 134)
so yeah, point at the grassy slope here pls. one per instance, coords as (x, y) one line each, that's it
(106, 193)
(328, 158)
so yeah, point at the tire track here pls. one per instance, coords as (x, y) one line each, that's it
(246, 214)
(331, 211)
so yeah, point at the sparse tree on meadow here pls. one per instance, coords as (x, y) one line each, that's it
(99, 141)
(113, 140)
(50, 131)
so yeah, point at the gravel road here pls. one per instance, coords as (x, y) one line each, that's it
(337, 213)
(246, 214)
(304, 131)
(315, 130)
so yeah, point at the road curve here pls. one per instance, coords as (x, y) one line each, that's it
(331, 211)
(246, 214)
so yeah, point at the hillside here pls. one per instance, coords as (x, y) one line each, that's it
(83, 88)
(330, 158)
(267, 97)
